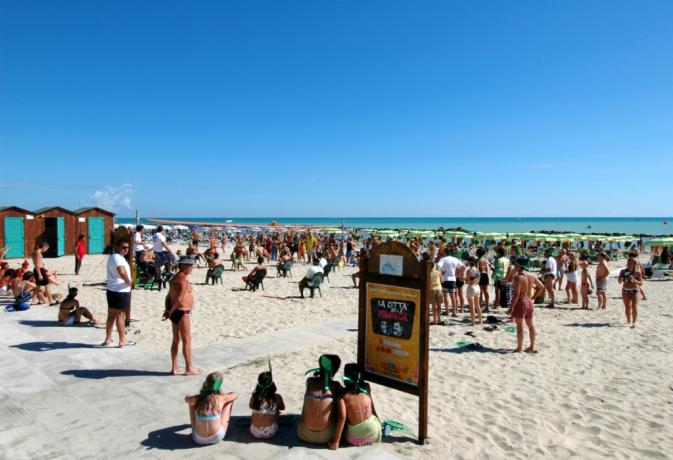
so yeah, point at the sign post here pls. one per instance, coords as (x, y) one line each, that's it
(393, 323)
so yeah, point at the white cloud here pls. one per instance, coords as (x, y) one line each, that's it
(114, 198)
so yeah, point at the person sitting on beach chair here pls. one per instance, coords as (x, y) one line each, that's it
(214, 262)
(70, 312)
(306, 281)
(318, 415)
(210, 410)
(259, 267)
(266, 405)
(357, 408)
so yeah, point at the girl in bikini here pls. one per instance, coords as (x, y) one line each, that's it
(357, 408)
(631, 279)
(266, 405)
(317, 424)
(209, 411)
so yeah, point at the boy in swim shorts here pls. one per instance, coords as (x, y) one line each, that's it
(521, 308)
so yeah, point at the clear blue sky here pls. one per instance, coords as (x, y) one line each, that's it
(333, 108)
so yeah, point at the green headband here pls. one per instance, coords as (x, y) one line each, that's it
(326, 375)
(355, 382)
(217, 384)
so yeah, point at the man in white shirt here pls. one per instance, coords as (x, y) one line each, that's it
(307, 280)
(448, 266)
(549, 272)
(162, 252)
(138, 242)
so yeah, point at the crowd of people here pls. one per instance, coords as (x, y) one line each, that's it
(476, 278)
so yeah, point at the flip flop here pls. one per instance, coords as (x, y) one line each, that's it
(129, 344)
(510, 329)
(106, 345)
(463, 344)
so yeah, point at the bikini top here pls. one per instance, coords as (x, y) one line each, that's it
(208, 417)
(270, 410)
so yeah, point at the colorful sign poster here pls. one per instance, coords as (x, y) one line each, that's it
(392, 339)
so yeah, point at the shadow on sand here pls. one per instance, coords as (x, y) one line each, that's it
(478, 348)
(98, 374)
(588, 325)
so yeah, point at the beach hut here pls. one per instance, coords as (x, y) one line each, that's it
(17, 234)
(96, 224)
(56, 226)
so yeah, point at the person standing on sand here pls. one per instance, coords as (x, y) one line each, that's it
(80, 250)
(522, 307)
(602, 273)
(549, 273)
(40, 272)
(632, 280)
(483, 266)
(180, 302)
(448, 265)
(118, 294)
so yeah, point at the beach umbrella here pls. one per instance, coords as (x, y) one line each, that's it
(181, 227)
(150, 227)
(330, 231)
(666, 241)
(456, 233)
(490, 236)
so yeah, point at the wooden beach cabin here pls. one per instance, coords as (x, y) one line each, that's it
(97, 226)
(16, 231)
(56, 226)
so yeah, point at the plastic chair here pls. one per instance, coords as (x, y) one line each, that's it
(256, 281)
(316, 281)
(215, 274)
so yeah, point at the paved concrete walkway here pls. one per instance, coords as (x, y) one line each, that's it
(62, 396)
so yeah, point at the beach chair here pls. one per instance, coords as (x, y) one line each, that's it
(662, 272)
(316, 281)
(335, 263)
(256, 281)
(215, 274)
(285, 269)
(326, 271)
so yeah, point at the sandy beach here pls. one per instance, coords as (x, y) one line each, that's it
(595, 389)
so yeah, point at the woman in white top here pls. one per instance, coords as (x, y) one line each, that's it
(118, 294)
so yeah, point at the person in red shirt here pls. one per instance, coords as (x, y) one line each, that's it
(80, 250)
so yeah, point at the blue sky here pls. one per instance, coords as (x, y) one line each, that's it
(350, 108)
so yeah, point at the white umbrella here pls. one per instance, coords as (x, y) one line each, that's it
(181, 227)
(150, 227)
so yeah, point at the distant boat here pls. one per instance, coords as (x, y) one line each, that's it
(588, 226)
(229, 221)
(665, 222)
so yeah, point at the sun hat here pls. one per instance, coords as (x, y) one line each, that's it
(185, 260)
(522, 261)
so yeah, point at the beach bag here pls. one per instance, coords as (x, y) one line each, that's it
(21, 302)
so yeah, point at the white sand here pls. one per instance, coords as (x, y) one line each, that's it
(596, 388)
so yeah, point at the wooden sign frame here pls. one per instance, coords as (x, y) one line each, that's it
(411, 275)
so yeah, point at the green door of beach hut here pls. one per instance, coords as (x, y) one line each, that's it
(14, 236)
(60, 237)
(96, 235)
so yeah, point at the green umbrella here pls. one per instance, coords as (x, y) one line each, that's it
(490, 236)
(456, 233)
(330, 230)
(666, 241)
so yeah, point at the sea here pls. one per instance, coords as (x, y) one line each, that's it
(602, 225)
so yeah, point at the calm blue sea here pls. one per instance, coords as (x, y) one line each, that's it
(630, 225)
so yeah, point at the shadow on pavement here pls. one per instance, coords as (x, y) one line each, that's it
(98, 374)
(169, 438)
(47, 346)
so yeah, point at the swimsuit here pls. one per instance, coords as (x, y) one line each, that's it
(523, 309)
(364, 433)
(177, 315)
(601, 284)
(571, 277)
(631, 292)
(212, 439)
(264, 432)
(483, 279)
(315, 437)
(472, 291)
